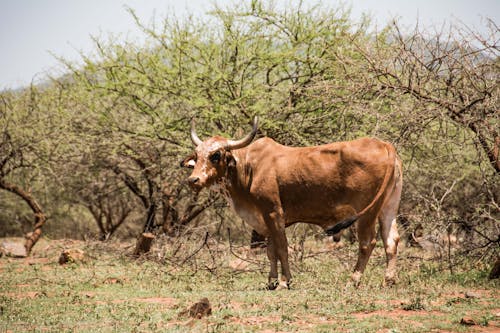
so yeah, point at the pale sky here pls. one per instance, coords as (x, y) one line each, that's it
(30, 30)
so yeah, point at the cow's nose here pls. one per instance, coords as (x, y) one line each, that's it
(193, 180)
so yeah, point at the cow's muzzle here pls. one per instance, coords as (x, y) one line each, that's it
(195, 183)
(193, 180)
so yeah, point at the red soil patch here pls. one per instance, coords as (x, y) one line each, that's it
(166, 301)
(395, 313)
(36, 261)
(239, 306)
(391, 302)
(23, 285)
(311, 321)
(158, 300)
(308, 322)
(24, 295)
(256, 320)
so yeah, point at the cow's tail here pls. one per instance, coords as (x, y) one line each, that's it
(389, 173)
(341, 225)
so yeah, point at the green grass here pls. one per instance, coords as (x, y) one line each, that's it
(115, 293)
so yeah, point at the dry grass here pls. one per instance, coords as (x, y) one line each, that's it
(112, 291)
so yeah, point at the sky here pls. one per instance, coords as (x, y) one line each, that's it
(33, 32)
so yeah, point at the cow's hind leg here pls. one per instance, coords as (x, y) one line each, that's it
(390, 237)
(389, 231)
(367, 240)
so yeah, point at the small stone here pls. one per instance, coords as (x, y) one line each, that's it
(14, 250)
(472, 294)
(468, 321)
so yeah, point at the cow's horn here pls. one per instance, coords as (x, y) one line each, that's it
(237, 144)
(194, 137)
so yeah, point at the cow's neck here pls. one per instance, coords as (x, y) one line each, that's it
(238, 177)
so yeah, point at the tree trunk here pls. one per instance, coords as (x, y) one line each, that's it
(491, 152)
(495, 271)
(145, 240)
(33, 237)
(40, 218)
(144, 243)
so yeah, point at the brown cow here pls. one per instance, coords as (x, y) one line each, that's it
(272, 186)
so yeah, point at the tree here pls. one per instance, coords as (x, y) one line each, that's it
(109, 135)
(446, 85)
(456, 72)
(25, 149)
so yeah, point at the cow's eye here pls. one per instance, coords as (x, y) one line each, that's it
(215, 157)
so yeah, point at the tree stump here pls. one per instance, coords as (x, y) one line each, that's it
(144, 243)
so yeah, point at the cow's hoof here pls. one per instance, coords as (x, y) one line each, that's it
(272, 285)
(283, 285)
(278, 285)
(356, 279)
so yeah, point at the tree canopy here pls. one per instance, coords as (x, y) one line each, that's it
(98, 148)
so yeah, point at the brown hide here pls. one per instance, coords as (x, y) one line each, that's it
(320, 185)
(272, 186)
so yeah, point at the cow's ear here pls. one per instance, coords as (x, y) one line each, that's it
(189, 162)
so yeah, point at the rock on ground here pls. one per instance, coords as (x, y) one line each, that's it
(12, 249)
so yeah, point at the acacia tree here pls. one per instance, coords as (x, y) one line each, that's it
(28, 140)
(311, 74)
(446, 86)
(13, 159)
(134, 141)
(455, 71)
(259, 60)
(109, 203)
(255, 60)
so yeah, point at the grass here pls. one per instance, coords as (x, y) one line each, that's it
(111, 292)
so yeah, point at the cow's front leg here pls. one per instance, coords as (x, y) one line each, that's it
(273, 260)
(280, 245)
(282, 251)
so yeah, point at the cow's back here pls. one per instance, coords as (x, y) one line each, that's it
(320, 184)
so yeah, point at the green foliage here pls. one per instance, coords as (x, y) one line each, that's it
(103, 142)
